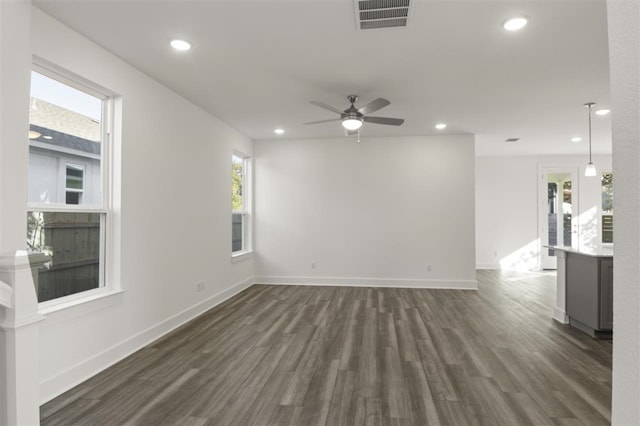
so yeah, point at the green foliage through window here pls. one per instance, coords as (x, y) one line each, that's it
(237, 178)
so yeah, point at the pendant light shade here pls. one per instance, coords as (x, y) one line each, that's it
(590, 170)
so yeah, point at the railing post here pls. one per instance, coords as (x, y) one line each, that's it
(19, 339)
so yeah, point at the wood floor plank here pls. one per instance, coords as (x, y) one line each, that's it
(303, 355)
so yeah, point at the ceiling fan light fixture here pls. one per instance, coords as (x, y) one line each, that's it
(351, 123)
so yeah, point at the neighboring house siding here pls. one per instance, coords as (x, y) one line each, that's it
(47, 173)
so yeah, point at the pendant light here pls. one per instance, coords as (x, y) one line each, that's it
(590, 170)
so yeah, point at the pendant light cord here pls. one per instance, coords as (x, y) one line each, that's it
(590, 105)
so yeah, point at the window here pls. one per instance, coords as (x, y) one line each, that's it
(68, 193)
(75, 184)
(240, 202)
(607, 208)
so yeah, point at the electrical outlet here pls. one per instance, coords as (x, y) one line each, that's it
(200, 286)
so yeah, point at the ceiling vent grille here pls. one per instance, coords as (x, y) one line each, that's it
(373, 14)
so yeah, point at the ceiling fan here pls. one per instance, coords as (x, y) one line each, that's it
(352, 117)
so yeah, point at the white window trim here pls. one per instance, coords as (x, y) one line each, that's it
(108, 286)
(247, 195)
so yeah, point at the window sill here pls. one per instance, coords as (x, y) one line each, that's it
(56, 305)
(241, 256)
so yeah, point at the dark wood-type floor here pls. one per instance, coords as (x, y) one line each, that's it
(290, 355)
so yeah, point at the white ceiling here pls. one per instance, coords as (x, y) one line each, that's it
(257, 64)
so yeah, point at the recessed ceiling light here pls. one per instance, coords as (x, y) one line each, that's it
(603, 111)
(279, 131)
(47, 137)
(515, 24)
(576, 139)
(441, 126)
(34, 135)
(180, 45)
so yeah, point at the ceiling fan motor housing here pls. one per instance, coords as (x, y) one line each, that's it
(352, 112)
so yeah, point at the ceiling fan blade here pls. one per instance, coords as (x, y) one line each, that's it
(329, 107)
(384, 120)
(322, 121)
(373, 106)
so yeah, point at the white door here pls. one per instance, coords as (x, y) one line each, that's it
(558, 211)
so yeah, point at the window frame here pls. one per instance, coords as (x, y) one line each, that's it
(245, 212)
(106, 283)
(606, 213)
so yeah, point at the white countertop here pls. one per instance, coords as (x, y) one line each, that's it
(589, 251)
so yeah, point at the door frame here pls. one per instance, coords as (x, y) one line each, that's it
(543, 171)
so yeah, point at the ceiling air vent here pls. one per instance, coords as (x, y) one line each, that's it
(373, 14)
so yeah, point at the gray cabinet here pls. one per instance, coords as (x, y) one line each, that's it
(589, 284)
(606, 294)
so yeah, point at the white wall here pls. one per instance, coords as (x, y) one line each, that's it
(624, 47)
(507, 207)
(14, 125)
(172, 214)
(376, 212)
(14, 122)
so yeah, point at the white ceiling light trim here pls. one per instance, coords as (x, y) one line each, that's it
(180, 45)
(515, 24)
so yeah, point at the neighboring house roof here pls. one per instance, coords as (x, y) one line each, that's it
(64, 128)
(63, 140)
(55, 117)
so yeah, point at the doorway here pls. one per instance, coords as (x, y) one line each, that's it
(558, 208)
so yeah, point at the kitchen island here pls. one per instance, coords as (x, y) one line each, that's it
(584, 292)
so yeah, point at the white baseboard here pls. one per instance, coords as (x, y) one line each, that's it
(488, 266)
(370, 282)
(560, 316)
(60, 383)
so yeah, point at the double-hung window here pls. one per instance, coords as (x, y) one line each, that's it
(68, 191)
(240, 204)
